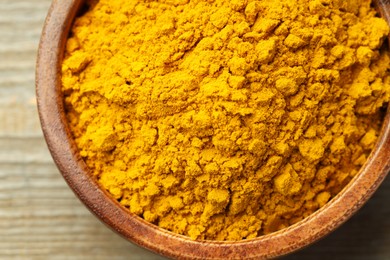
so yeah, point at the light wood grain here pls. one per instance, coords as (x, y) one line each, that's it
(40, 218)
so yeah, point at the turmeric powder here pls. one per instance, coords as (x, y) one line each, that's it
(225, 120)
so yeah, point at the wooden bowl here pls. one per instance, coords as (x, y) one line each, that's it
(137, 230)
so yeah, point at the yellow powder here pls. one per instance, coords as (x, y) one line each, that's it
(225, 120)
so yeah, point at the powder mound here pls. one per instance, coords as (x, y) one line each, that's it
(225, 120)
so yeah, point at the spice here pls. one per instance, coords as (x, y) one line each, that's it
(225, 120)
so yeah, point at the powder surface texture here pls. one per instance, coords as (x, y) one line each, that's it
(225, 120)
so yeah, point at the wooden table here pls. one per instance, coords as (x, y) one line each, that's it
(40, 218)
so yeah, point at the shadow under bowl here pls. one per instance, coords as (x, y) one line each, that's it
(137, 230)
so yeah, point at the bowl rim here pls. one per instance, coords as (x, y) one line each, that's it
(135, 229)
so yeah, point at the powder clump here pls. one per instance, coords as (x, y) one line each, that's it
(225, 120)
